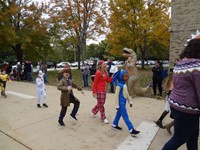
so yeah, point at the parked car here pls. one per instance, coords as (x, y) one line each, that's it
(74, 64)
(49, 64)
(62, 64)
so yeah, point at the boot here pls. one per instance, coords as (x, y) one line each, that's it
(168, 127)
(159, 121)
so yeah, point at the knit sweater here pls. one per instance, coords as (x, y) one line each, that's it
(185, 95)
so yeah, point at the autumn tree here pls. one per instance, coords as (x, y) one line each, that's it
(79, 20)
(139, 24)
(23, 29)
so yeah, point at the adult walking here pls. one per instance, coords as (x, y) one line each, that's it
(157, 77)
(85, 73)
(185, 98)
(99, 89)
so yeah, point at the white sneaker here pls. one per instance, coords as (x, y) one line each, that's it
(105, 121)
(93, 115)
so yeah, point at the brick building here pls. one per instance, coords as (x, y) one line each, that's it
(185, 20)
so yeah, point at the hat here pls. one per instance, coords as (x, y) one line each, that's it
(40, 73)
(66, 71)
(101, 62)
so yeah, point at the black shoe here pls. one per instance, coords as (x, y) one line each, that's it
(159, 123)
(38, 105)
(73, 117)
(117, 127)
(134, 132)
(45, 105)
(61, 122)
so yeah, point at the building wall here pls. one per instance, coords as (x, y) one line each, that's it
(185, 20)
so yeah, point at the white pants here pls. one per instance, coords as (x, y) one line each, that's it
(41, 93)
(167, 105)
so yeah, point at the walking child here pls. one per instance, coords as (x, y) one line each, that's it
(121, 96)
(41, 90)
(168, 85)
(65, 85)
(3, 79)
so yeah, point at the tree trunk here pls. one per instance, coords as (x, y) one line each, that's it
(18, 52)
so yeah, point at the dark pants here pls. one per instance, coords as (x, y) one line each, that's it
(157, 82)
(186, 130)
(112, 90)
(76, 103)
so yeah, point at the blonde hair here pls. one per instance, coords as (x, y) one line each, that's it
(100, 68)
(168, 84)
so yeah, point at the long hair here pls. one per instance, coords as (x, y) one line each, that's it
(168, 84)
(192, 50)
(100, 68)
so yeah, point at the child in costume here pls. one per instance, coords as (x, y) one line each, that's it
(168, 85)
(65, 85)
(3, 79)
(41, 89)
(121, 96)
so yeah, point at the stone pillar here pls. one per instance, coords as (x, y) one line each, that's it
(185, 20)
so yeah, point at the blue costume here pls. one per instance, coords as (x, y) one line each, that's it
(121, 96)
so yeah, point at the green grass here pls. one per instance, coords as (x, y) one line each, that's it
(145, 77)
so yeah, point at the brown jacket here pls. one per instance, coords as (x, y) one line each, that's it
(62, 86)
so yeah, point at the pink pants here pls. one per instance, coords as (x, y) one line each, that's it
(101, 98)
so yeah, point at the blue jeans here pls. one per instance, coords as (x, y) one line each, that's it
(186, 130)
(85, 80)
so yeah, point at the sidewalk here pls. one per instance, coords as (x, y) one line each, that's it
(23, 126)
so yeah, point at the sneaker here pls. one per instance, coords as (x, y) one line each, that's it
(105, 121)
(61, 122)
(116, 127)
(134, 132)
(73, 117)
(45, 105)
(5, 95)
(38, 105)
(159, 123)
(93, 115)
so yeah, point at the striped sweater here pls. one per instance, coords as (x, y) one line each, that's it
(185, 95)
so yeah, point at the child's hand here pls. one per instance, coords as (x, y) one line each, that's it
(117, 108)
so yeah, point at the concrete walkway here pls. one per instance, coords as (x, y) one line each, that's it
(23, 126)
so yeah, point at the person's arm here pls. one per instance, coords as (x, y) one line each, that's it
(39, 82)
(117, 90)
(76, 86)
(126, 95)
(96, 79)
(196, 78)
(61, 87)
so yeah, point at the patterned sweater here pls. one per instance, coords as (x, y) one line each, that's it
(185, 95)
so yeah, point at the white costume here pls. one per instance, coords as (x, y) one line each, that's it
(40, 88)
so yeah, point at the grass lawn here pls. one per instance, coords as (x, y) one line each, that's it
(145, 77)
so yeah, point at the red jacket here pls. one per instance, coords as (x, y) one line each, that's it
(99, 84)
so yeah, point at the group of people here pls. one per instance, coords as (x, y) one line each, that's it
(101, 77)
(183, 97)
(182, 87)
